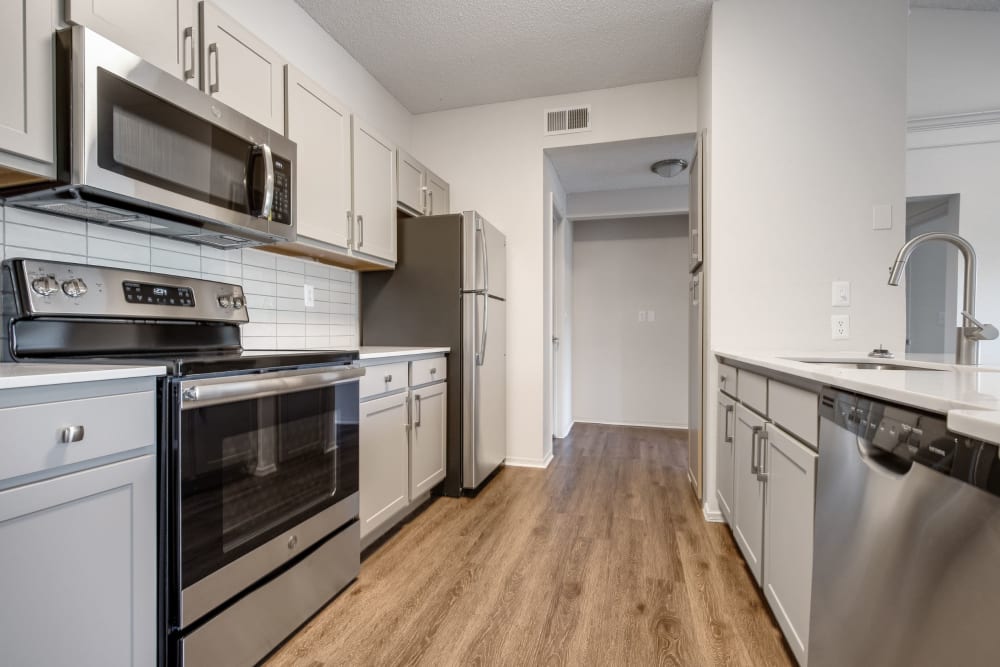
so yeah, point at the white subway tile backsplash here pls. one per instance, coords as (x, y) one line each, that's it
(273, 283)
(98, 248)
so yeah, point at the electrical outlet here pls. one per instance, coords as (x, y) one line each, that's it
(309, 295)
(841, 293)
(642, 315)
(651, 316)
(840, 327)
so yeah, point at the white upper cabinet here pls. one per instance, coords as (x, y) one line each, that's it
(162, 32)
(26, 53)
(438, 194)
(418, 189)
(374, 161)
(241, 70)
(409, 181)
(320, 125)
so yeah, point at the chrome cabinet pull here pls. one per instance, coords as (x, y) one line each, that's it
(423, 204)
(361, 230)
(213, 49)
(762, 453)
(388, 378)
(71, 434)
(728, 437)
(187, 48)
(430, 206)
(416, 401)
(350, 230)
(754, 440)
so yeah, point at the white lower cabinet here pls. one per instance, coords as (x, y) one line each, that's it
(724, 456)
(748, 489)
(428, 437)
(384, 466)
(790, 470)
(403, 434)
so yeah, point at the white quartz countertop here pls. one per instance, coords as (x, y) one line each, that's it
(17, 375)
(968, 395)
(379, 352)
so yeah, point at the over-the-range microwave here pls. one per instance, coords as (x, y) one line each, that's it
(140, 149)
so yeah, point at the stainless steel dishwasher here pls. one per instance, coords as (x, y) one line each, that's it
(906, 566)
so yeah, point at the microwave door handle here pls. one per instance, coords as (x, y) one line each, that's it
(265, 209)
(199, 394)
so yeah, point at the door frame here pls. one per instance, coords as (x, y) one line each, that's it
(557, 218)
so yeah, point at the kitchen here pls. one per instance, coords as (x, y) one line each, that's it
(820, 113)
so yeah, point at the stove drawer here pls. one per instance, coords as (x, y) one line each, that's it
(51, 435)
(384, 378)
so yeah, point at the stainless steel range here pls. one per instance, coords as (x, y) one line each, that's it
(258, 451)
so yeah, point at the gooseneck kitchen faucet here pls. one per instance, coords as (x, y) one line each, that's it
(972, 330)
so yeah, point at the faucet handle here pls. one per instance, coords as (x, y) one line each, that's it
(979, 330)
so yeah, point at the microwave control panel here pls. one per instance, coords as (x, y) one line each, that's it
(281, 207)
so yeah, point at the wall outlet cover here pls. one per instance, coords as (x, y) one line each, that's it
(840, 327)
(309, 295)
(651, 316)
(642, 315)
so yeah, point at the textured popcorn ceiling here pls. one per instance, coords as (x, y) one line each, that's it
(975, 5)
(444, 54)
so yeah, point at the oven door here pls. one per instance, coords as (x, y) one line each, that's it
(264, 466)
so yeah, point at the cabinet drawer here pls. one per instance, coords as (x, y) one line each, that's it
(428, 370)
(727, 379)
(796, 410)
(751, 389)
(111, 424)
(383, 379)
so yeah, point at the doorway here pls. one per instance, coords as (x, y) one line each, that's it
(560, 319)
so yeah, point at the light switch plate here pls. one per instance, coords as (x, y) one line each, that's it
(642, 315)
(882, 216)
(841, 293)
(651, 316)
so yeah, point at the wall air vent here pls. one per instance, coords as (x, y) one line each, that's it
(570, 119)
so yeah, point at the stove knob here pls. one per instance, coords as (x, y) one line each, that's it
(74, 287)
(45, 285)
(225, 301)
(238, 302)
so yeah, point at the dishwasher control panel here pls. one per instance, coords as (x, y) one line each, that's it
(896, 437)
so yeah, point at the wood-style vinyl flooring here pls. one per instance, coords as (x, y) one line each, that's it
(601, 559)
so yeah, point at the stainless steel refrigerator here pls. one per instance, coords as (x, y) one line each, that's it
(449, 288)
(696, 320)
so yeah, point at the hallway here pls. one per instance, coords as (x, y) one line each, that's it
(601, 559)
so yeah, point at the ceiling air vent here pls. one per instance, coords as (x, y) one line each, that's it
(564, 121)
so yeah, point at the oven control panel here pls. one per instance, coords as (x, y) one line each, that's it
(65, 289)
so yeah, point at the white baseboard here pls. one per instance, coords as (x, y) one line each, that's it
(524, 462)
(606, 422)
(711, 515)
(566, 432)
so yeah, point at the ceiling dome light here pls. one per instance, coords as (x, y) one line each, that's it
(669, 168)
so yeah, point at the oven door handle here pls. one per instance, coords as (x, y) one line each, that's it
(198, 394)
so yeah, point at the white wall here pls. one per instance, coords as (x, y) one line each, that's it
(291, 32)
(626, 371)
(492, 156)
(954, 62)
(807, 134)
(603, 204)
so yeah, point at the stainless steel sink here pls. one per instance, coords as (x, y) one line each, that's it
(870, 365)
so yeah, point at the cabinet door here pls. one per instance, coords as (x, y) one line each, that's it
(241, 70)
(748, 490)
(790, 469)
(438, 195)
(320, 125)
(162, 32)
(384, 460)
(78, 568)
(724, 456)
(428, 437)
(410, 183)
(374, 193)
(26, 52)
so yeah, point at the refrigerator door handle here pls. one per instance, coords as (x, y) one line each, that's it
(481, 352)
(485, 255)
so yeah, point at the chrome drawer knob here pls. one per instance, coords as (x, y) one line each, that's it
(71, 434)
(293, 541)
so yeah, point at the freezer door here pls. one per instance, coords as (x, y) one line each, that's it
(485, 256)
(485, 369)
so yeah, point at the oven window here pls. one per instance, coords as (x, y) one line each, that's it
(251, 469)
